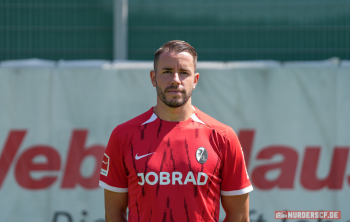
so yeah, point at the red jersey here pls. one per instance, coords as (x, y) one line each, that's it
(174, 171)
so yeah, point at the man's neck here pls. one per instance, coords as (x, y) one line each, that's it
(179, 114)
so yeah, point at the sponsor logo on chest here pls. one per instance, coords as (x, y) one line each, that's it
(173, 178)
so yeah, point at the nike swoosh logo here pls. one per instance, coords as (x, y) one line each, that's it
(139, 157)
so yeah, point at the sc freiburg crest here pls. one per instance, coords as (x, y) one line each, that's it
(201, 155)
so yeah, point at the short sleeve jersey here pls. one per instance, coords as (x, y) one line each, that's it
(174, 171)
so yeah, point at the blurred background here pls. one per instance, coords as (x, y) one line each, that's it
(277, 72)
(219, 30)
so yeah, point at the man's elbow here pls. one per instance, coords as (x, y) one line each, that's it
(237, 218)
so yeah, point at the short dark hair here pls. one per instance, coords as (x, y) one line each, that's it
(175, 46)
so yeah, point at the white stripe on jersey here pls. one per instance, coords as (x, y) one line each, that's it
(237, 192)
(153, 117)
(115, 189)
(196, 119)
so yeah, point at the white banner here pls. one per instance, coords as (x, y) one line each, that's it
(292, 120)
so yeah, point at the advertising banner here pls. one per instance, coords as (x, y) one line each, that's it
(292, 121)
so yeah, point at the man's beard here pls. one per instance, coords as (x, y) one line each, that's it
(173, 103)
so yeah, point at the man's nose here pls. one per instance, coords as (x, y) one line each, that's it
(175, 78)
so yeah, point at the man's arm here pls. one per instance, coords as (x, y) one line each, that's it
(115, 206)
(236, 208)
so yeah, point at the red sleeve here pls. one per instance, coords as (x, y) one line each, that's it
(235, 179)
(113, 174)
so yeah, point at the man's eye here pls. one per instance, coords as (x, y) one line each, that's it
(167, 71)
(186, 73)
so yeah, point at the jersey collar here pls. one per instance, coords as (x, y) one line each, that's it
(194, 117)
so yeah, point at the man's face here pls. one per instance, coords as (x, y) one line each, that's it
(175, 78)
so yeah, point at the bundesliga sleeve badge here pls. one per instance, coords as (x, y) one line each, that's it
(201, 155)
(105, 165)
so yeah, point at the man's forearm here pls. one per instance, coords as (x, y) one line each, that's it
(115, 206)
(236, 218)
(119, 217)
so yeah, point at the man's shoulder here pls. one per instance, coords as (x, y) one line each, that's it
(213, 123)
(135, 122)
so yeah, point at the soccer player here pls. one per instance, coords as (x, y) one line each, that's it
(174, 162)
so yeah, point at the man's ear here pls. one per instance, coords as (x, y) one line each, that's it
(196, 78)
(152, 75)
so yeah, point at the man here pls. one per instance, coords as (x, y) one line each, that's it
(173, 162)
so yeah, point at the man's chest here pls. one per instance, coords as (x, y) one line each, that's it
(177, 157)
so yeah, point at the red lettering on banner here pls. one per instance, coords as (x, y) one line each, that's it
(26, 165)
(287, 166)
(335, 177)
(77, 153)
(246, 138)
(11, 147)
